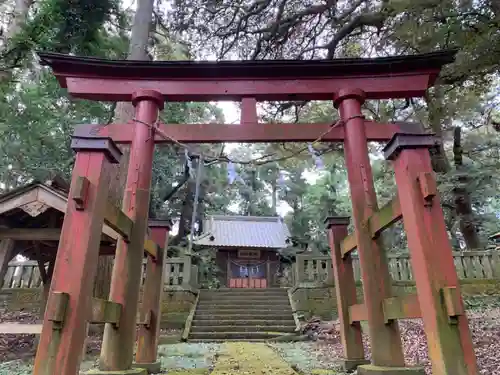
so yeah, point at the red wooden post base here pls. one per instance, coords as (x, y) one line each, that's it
(64, 329)
(118, 343)
(150, 311)
(446, 327)
(345, 289)
(385, 338)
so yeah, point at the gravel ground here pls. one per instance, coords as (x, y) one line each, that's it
(188, 356)
(307, 357)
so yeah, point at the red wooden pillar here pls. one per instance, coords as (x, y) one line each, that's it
(438, 288)
(68, 307)
(150, 311)
(118, 342)
(345, 289)
(385, 338)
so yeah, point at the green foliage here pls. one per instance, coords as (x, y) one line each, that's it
(66, 27)
(36, 124)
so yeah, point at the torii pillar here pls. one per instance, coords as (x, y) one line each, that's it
(448, 337)
(118, 342)
(387, 351)
(150, 309)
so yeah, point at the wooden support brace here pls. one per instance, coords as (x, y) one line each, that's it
(377, 222)
(56, 309)
(80, 192)
(348, 244)
(116, 219)
(451, 299)
(428, 186)
(385, 217)
(405, 307)
(104, 311)
(144, 319)
(151, 249)
(357, 313)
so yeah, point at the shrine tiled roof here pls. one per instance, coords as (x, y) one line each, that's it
(244, 231)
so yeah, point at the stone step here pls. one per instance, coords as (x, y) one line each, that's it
(235, 311)
(243, 316)
(233, 306)
(246, 290)
(247, 322)
(225, 340)
(244, 298)
(234, 335)
(243, 302)
(231, 328)
(211, 296)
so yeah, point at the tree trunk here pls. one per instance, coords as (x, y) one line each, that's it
(440, 162)
(186, 213)
(463, 205)
(20, 13)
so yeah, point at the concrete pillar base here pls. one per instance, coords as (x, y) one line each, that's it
(382, 370)
(151, 368)
(349, 365)
(134, 371)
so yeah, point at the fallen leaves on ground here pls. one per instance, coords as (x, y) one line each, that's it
(484, 326)
(17, 346)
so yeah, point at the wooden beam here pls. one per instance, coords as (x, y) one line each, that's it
(385, 217)
(20, 329)
(248, 132)
(380, 220)
(105, 312)
(384, 87)
(404, 307)
(31, 234)
(53, 234)
(118, 220)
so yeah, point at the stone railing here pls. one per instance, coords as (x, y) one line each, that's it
(179, 272)
(469, 265)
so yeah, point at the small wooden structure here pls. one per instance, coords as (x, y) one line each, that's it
(247, 248)
(31, 218)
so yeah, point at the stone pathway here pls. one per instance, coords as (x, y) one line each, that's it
(242, 358)
(230, 358)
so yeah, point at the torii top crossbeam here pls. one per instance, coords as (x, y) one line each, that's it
(248, 82)
(272, 80)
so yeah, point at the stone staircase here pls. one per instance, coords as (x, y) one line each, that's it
(242, 315)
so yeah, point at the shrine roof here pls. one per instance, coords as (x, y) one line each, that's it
(244, 231)
(66, 65)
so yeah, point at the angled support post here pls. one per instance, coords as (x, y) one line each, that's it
(345, 289)
(385, 338)
(149, 331)
(117, 351)
(64, 329)
(450, 345)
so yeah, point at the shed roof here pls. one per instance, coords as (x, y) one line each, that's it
(244, 231)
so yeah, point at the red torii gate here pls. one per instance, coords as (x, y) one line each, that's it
(348, 82)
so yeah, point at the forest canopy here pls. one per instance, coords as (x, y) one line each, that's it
(37, 117)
